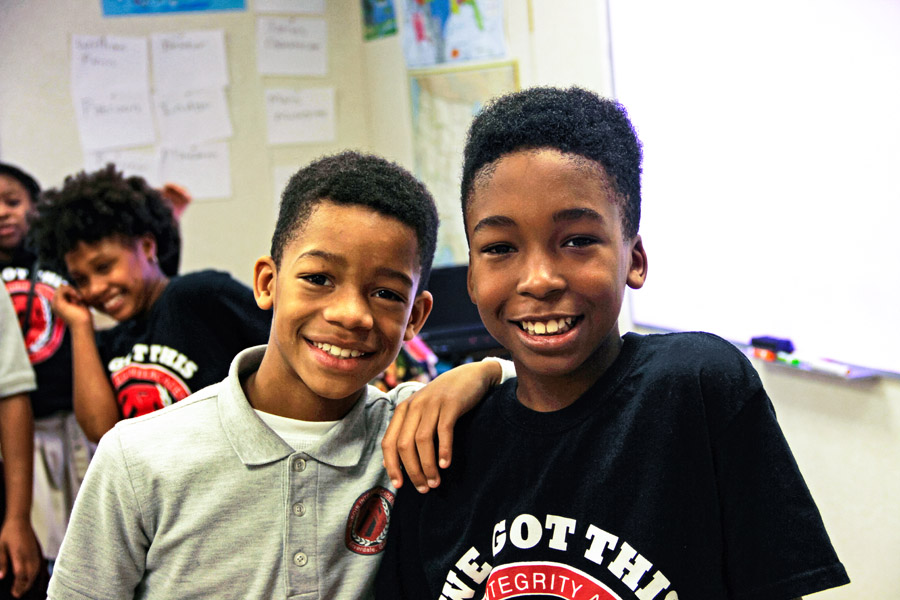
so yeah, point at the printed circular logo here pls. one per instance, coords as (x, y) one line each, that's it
(142, 389)
(46, 331)
(367, 525)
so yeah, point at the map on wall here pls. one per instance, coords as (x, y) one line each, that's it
(444, 101)
(116, 8)
(443, 31)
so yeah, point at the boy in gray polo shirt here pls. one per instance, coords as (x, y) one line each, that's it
(270, 484)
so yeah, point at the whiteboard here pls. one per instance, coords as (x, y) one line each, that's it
(771, 178)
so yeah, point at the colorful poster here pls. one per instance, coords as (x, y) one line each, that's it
(445, 31)
(118, 8)
(378, 19)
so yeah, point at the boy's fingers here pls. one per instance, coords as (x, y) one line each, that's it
(425, 435)
(24, 572)
(407, 446)
(389, 446)
(445, 439)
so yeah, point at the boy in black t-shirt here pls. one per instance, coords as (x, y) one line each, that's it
(635, 467)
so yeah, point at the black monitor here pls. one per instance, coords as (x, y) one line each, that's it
(454, 328)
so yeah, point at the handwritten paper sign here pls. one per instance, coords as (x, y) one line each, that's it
(300, 116)
(204, 169)
(108, 63)
(130, 162)
(291, 46)
(189, 60)
(310, 7)
(114, 120)
(192, 117)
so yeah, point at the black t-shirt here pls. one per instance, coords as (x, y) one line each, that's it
(184, 343)
(669, 478)
(47, 337)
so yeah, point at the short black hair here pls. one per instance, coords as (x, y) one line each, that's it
(27, 181)
(572, 121)
(90, 207)
(352, 178)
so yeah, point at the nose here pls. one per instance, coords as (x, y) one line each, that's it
(349, 309)
(93, 289)
(540, 277)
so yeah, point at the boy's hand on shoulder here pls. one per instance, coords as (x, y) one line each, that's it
(431, 411)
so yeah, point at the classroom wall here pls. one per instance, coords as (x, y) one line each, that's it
(845, 435)
(38, 129)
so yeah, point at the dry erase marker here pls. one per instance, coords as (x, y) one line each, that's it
(825, 366)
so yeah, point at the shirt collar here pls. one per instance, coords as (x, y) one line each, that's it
(256, 444)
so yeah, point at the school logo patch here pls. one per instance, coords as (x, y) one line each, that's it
(367, 525)
(45, 334)
(142, 389)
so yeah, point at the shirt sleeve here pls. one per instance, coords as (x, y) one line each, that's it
(103, 554)
(776, 545)
(16, 374)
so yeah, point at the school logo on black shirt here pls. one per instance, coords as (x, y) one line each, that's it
(46, 330)
(142, 389)
(367, 525)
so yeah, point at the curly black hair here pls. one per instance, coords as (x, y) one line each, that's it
(573, 121)
(352, 178)
(90, 207)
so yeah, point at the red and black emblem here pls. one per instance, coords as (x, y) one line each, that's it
(46, 330)
(142, 389)
(367, 525)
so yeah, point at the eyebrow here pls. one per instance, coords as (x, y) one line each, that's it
(343, 262)
(563, 216)
(575, 214)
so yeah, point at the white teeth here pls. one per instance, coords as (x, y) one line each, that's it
(551, 327)
(337, 351)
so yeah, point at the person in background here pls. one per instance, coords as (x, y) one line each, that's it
(61, 450)
(175, 334)
(21, 562)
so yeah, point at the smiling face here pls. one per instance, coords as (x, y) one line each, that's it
(344, 300)
(15, 204)
(117, 277)
(548, 266)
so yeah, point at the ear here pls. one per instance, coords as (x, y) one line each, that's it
(420, 310)
(147, 245)
(637, 271)
(265, 274)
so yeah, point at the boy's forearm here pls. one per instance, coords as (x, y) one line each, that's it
(17, 446)
(95, 405)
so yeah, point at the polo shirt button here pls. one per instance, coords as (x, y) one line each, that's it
(299, 509)
(299, 464)
(300, 559)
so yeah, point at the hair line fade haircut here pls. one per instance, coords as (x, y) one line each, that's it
(573, 121)
(356, 179)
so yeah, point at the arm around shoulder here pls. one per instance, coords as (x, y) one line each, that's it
(434, 410)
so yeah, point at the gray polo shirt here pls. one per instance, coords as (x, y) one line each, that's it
(202, 500)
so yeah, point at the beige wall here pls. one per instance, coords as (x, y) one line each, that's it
(846, 436)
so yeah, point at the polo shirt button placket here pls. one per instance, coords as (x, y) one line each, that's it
(299, 465)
